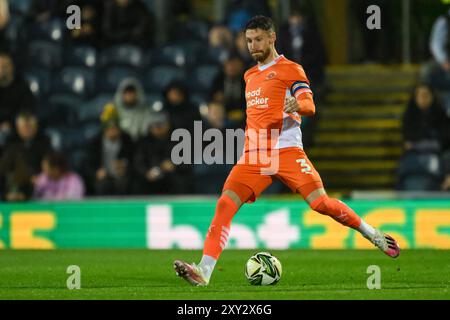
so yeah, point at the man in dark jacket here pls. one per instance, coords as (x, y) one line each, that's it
(300, 41)
(153, 164)
(110, 158)
(15, 95)
(21, 160)
(182, 112)
(127, 21)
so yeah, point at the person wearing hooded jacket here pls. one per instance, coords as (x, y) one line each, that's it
(131, 104)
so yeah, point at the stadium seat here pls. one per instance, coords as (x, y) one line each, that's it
(68, 139)
(20, 6)
(44, 54)
(215, 55)
(39, 80)
(154, 98)
(123, 55)
(52, 30)
(91, 110)
(159, 77)
(75, 80)
(84, 56)
(56, 138)
(77, 160)
(14, 30)
(174, 55)
(150, 5)
(60, 110)
(199, 99)
(419, 171)
(203, 77)
(111, 77)
(90, 130)
(191, 30)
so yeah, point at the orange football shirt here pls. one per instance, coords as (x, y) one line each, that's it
(267, 87)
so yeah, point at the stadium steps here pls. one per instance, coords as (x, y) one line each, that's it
(357, 139)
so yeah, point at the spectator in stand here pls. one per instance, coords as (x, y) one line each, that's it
(220, 37)
(110, 157)
(426, 128)
(240, 11)
(240, 44)
(21, 159)
(436, 73)
(446, 162)
(56, 181)
(182, 112)
(42, 11)
(127, 21)
(15, 95)
(132, 107)
(229, 89)
(209, 177)
(91, 21)
(300, 41)
(4, 19)
(153, 162)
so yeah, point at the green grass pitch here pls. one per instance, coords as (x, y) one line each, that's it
(145, 274)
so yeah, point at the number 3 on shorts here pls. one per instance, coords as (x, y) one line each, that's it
(306, 168)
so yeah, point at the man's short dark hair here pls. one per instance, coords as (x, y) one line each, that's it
(26, 114)
(260, 22)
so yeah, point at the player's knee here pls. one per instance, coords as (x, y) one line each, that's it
(320, 205)
(226, 203)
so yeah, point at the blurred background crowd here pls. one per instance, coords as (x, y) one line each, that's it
(90, 111)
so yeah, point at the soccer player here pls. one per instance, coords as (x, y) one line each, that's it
(277, 95)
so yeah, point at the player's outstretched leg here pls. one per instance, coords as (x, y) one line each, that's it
(343, 214)
(216, 240)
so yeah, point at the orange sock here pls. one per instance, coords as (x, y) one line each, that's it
(219, 230)
(338, 210)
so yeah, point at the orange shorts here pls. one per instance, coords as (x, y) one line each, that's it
(294, 169)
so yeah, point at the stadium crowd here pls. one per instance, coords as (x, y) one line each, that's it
(425, 164)
(90, 111)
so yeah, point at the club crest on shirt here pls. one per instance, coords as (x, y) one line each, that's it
(271, 75)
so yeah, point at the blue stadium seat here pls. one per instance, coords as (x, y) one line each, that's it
(91, 110)
(84, 56)
(215, 55)
(154, 98)
(91, 129)
(192, 30)
(77, 160)
(123, 55)
(15, 29)
(150, 5)
(202, 77)
(75, 80)
(20, 6)
(159, 77)
(68, 139)
(53, 30)
(56, 138)
(419, 171)
(174, 55)
(199, 99)
(60, 110)
(39, 80)
(112, 76)
(44, 54)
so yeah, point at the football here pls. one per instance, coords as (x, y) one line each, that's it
(263, 269)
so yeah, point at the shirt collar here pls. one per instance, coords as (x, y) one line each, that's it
(271, 63)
